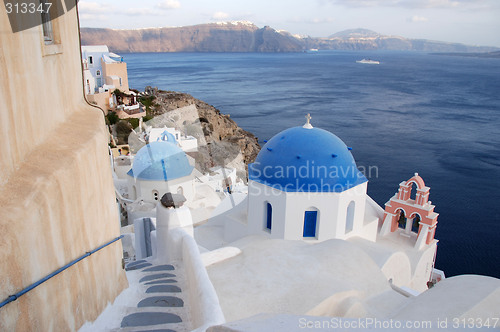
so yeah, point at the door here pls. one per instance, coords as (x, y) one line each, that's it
(310, 218)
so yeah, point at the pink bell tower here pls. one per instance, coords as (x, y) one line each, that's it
(419, 205)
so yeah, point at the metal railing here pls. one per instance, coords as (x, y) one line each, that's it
(56, 272)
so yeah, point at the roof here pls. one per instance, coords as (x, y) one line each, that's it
(160, 161)
(114, 55)
(95, 49)
(161, 134)
(107, 59)
(461, 297)
(260, 277)
(306, 159)
(168, 137)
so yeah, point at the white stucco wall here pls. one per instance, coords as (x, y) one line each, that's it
(175, 242)
(144, 189)
(258, 197)
(288, 209)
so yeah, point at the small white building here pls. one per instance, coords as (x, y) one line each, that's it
(94, 56)
(103, 73)
(186, 143)
(305, 184)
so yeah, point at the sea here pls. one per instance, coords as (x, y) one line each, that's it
(438, 115)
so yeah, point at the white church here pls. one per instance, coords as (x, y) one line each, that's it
(304, 239)
(305, 185)
(305, 190)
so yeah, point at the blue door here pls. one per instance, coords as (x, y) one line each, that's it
(269, 216)
(310, 218)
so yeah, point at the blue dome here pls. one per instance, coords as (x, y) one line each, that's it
(306, 160)
(160, 161)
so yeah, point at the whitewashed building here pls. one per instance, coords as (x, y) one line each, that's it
(186, 143)
(305, 184)
(158, 168)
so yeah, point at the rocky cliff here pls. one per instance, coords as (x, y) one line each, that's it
(216, 37)
(221, 141)
(247, 37)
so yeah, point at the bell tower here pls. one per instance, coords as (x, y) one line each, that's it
(412, 207)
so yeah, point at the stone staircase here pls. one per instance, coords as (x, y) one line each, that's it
(162, 306)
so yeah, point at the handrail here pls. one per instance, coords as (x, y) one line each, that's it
(56, 272)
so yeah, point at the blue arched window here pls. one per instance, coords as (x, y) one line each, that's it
(310, 220)
(269, 216)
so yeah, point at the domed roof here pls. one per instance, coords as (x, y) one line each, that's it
(306, 159)
(160, 161)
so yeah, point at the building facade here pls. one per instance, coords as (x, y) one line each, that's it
(104, 72)
(56, 190)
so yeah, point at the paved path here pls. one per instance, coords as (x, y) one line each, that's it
(162, 304)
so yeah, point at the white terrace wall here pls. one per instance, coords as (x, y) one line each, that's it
(56, 191)
(204, 303)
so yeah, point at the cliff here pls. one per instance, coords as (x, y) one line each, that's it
(247, 37)
(363, 39)
(221, 141)
(216, 37)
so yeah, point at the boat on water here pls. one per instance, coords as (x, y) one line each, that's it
(368, 61)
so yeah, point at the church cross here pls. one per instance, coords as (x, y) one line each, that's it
(308, 123)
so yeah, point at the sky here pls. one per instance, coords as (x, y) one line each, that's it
(472, 22)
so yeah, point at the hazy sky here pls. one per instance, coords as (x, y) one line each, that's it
(475, 22)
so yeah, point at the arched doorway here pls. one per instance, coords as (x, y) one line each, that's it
(310, 229)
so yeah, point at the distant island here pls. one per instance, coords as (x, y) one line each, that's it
(495, 55)
(247, 37)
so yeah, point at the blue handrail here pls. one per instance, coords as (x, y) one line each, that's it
(56, 272)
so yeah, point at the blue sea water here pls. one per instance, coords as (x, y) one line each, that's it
(432, 114)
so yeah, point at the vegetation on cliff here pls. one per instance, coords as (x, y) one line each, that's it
(221, 142)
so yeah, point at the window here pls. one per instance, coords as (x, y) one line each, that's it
(120, 81)
(98, 73)
(49, 29)
(155, 195)
(269, 216)
(48, 33)
(349, 221)
(91, 60)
